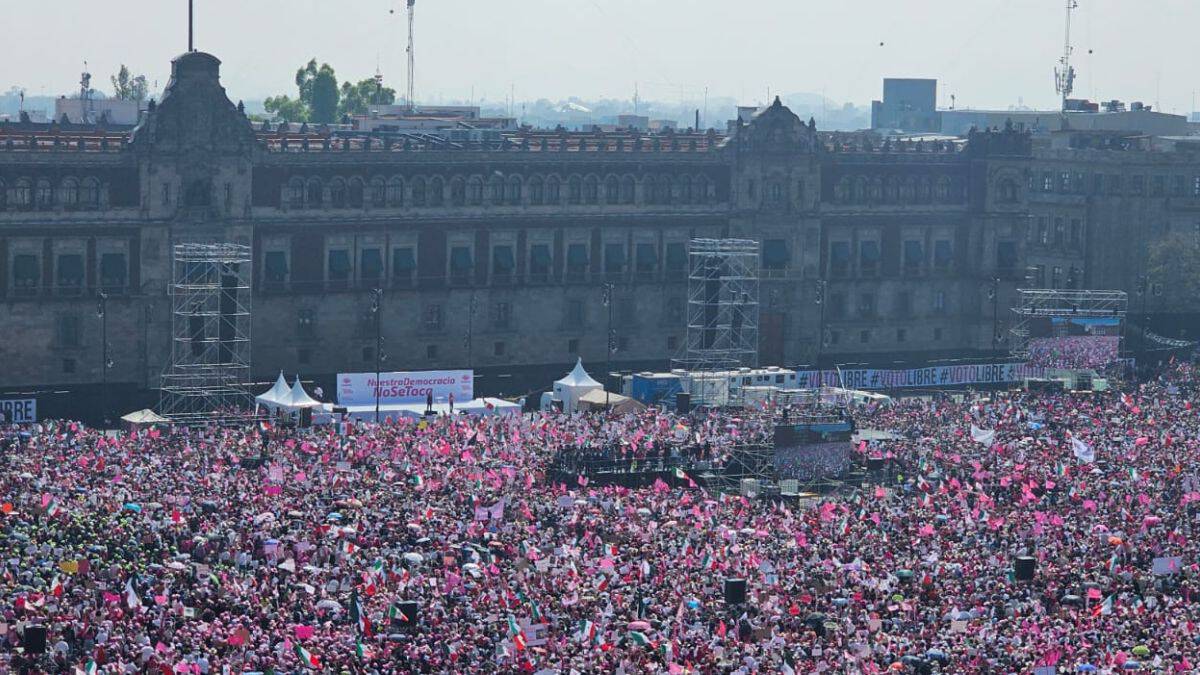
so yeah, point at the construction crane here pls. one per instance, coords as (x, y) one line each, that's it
(1064, 76)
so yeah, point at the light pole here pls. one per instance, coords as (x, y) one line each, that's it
(105, 363)
(612, 338)
(994, 295)
(1143, 289)
(820, 300)
(377, 310)
(469, 339)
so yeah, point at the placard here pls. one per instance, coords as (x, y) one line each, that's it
(406, 387)
(18, 410)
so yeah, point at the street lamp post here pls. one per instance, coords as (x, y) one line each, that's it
(612, 347)
(994, 294)
(377, 310)
(1143, 289)
(470, 337)
(820, 300)
(105, 364)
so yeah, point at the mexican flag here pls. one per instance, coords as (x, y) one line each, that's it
(306, 657)
(513, 627)
(53, 508)
(535, 611)
(362, 651)
(519, 641)
(639, 638)
(348, 547)
(679, 473)
(88, 669)
(1105, 607)
(56, 587)
(587, 631)
(358, 616)
(394, 613)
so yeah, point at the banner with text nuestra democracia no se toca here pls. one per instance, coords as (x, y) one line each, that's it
(359, 388)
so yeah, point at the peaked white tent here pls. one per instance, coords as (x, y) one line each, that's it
(572, 387)
(276, 395)
(298, 398)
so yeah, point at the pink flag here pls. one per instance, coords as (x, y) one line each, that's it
(304, 632)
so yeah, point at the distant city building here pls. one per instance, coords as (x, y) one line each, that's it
(1039, 122)
(111, 110)
(909, 104)
(638, 122)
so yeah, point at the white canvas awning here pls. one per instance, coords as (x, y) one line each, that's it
(298, 398)
(573, 386)
(578, 377)
(146, 416)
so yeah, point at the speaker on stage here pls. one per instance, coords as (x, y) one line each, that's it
(407, 616)
(683, 402)
(34, 640)
(874, 464)
(735, 591)
(1023, 568)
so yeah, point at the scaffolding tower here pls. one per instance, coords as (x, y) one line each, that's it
(1039, 303)
(207, 378)
(722, 316)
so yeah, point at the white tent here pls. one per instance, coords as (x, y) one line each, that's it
(298, 398)
(572, 387)
(276, 395)
(489, 406)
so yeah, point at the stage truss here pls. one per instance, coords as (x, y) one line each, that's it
(722, 316)
(207, 378)
(1038, 303)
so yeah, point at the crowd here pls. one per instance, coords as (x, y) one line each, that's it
(440, 547)
(1074, 352)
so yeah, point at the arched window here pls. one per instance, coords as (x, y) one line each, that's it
(702, 188)
(69, 195)
(924, 190)
(378, 192)
(418, 191)
(553, 194)
(891, 193)
(496, 190)
(314, 195)
(612, 190)
(395, 191)
(89, 194)
(628, 190)
(536, 191)
(513, 191)
(475, 191)
(355, 193)
(842, 191)
(686, 196)
(437, 191)
(860, 190)
(1008, 190)
(458, 191)
(942, 190)
(22, 194)
(44, 196)
(591, 190)
(337, 193)
(666, 190)
(574, 190)
(295, 193)
(649, 190)
(3, 195)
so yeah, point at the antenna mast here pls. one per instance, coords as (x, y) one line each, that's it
(1064, 79)
(412, 63)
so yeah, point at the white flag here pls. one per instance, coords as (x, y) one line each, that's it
(131, 596)
(1083, 451)
(984, 436)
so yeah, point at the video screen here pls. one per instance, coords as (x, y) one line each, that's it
(1074, 342)
(813, 461)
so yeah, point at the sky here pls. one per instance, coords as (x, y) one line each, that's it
(987, 53)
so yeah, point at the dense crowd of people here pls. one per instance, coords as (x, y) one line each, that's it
(441, 547)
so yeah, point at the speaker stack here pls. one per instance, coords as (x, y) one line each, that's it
(735, 591)
(1024, 567)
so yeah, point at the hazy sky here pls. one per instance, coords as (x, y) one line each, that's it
(988, 53)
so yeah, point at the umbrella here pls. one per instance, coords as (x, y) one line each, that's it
(136, 508)
(639, 625)
(334, 516)
(1085, 668)
(329, 604)
(414, 558)
(1132, 665)
(937, 655)
(1141, 650)
(643, 511)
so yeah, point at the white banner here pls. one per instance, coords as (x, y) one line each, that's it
(18, 411)
(414, 387)
(931, 377)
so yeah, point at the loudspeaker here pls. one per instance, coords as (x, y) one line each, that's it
(408, 616)
(735, 591)
(874, 464)
(1023, 568)
(340, 410)
(35, 640)
(683, 402)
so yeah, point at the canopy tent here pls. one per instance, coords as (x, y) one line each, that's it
(600, 399)
(489, 406)
(574, 386)
(276, 395)
(143, 418)
(298, 399)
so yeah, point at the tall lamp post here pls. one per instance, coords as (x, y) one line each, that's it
(822, 285)
(994, 296)
(105, 362)
(377, 310)
(469, 338)
(612, 338)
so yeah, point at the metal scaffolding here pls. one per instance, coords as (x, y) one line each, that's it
(722, 315)
(1040, 303)
(206, 381)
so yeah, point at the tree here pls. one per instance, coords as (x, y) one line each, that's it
(129, 88)
(356, 99)
(1174, 270)
(287, 109)
(323, 99)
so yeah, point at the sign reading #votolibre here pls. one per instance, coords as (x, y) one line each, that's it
(410, 387)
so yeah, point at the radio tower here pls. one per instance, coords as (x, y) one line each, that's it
(412, 62)
(1064, 78)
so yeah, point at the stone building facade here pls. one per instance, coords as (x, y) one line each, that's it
(507, 242)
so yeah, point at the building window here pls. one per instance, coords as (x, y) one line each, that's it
(44, 194)
(68, 274)
(573, 346)
(868, 257)
(114, 272)
(536, 192)
(646, 261)
(574, 314)
(458, 192)
(68, 331)
(614, 261)
(1047, 181)
(1138, 185)
(1060, 234)
(914, 256)
(371, 265)
(835, 336)
(26, 273)
(431, 352)
(939, 302)
(577, 262)
(1076, 232)
(475, 191)
(574, 190)
(839, 258)
(437, 191)
(775, 255)
(166, 194)
(378, 192)
(903, 304)
(498, 348)
(501, 315)
(1056, 277)
(866, 305)
(306, 323)
(540, 262)
(339, 266)
(89, 194)
(943, 253)
(676, 263)
(552, 190)
(432, 317)
(1006, 256)
(461, 265)
(837, 306)
(503, 264)
(1196, 186)
(612, 190)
